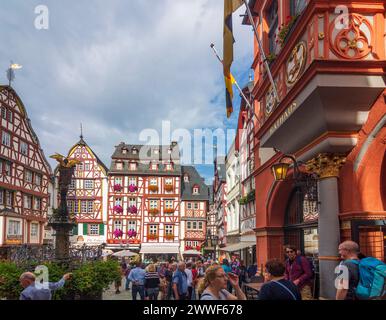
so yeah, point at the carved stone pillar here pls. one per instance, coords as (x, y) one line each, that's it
(327, 167)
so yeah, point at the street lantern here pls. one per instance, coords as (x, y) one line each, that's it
(280, 169)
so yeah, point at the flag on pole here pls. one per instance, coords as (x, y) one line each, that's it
(230, 6)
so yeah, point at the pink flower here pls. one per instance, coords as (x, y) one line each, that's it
(117, 187)
(118, 209)
(133, 188)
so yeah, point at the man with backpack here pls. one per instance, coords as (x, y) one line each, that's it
(359, 278)
(298, 270)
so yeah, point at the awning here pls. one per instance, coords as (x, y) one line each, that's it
(192, 252)
(238, 246)
(160, 249)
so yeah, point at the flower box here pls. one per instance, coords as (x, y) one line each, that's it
(153, 188)
(133, 188)
(118, 233)
(188, 247)
(118, 209)
(152, 237)
(169, 187)
(154, 211)
(117, 188)
(132, 209)
(131, 233)
(169, 236)
(169, 210)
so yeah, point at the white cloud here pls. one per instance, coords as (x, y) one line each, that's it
(119, 67)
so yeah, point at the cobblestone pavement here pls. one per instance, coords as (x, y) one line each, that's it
(110, 294)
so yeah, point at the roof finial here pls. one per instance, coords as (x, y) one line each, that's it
(81, 131)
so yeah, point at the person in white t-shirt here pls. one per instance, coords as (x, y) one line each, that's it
(189, 275)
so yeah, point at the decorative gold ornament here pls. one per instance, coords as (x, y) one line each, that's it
(321, 36)
(296, 63)
(270, 101)
(326, 165)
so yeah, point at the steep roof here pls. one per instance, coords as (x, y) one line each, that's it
(143, 155)
(194, 179)
(83, 143)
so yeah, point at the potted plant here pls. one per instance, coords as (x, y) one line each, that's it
(169, 236)
(152, 237)
(153, 188)
(132, 209)
(154, 211)
(132, 233)
(118, 233)
(285, 29)
(133, 188)
(169, 187)
(118, 209)
(117, 188)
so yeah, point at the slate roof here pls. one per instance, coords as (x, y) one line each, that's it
(143, 156)
(194, 179)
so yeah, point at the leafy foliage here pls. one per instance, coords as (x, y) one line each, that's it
(89, 280)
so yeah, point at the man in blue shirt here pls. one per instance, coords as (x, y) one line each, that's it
(180, 282)
(137, 277)
(33, 291)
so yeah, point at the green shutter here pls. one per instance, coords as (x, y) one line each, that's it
(85, 229)
(101, 229)
(75, 230)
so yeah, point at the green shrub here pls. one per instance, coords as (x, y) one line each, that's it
(9, 280)
(88, 282)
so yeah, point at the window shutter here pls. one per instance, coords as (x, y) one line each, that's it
(75, 230)
(101, 229)
(85, 229)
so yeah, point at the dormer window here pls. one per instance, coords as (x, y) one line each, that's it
(134, 150)
(169, 166)
(186, 178)
(124, 150)
(153, 166)
(133, 166)
(119, 165)
(196, 190)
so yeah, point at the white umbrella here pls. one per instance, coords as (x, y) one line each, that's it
(124, 253)
(106, 252)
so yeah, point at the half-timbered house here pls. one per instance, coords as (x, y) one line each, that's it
(194, 208)
(144, 199)
(24, 175)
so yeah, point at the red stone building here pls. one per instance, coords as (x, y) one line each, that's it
(25, 175)
(329, 69)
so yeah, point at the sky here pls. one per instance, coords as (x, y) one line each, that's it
(120, 67)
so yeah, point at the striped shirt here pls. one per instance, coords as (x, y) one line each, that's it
(151, 280)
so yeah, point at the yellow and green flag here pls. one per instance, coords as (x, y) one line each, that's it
(230, 6)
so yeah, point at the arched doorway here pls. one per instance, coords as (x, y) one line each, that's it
(301, 222)
(301, 218)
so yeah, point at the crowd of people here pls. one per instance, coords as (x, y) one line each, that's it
(291, 279)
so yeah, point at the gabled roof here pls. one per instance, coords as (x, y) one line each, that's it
(194, 179)
(23, 111)
(143, 156)
(83, 143)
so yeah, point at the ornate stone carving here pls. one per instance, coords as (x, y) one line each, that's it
(354, 41)
(296, 63)
(326, 165)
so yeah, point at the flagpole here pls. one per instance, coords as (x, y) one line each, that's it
(237, 85)
(266, 65)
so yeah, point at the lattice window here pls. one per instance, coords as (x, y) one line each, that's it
(88, 184)
(93, 229)
(131, 225)
(90, 206)
(169, 229)
(6, 139)
(84, 206)
(372, 242)
(153, 229)
(73, 184)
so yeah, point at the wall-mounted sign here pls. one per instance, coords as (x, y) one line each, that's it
(283, 117)
(270, 101)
